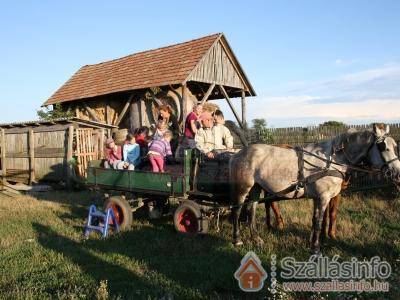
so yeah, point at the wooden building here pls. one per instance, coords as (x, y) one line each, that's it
(45, 150)
(126, 92)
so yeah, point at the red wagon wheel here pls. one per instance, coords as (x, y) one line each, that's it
(119, 215)
(122, 211)
(188, 219)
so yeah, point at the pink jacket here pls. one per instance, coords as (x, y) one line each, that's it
(112, 155)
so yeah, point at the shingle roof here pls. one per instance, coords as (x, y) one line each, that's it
(158, 67)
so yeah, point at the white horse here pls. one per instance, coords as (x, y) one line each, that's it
(315, 171)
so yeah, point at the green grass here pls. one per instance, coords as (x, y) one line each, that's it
(43, 253)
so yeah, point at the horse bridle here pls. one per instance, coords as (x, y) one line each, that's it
(381, 145)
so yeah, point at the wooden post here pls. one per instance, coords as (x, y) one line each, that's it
(244, 112)
(3, 156)
(70, 152)
(183, 107)
(31, 145)
(242, 137)
(222, 89)
(101, 143)
(124, 110)
(135, 114)
(108, 114)
(207, 94)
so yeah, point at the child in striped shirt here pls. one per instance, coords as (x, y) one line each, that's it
(158, 150)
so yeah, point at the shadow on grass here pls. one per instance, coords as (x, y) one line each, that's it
(152, 261)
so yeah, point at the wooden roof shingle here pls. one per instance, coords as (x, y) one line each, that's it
(158, 67)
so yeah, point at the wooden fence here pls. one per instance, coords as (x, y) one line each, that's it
(44, 151)
(301, 136)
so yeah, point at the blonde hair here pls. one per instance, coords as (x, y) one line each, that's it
(167, 134)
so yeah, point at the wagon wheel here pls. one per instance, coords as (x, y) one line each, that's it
(122, 211)
(188, 219)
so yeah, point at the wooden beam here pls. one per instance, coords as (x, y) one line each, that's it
(135, 113)
(31, 145)
(207, 94)
(244, 110)
(91, 113)
(124, 110)
(108, 114)
(183, 107)
(70, 153)
(3, 156)
(38, 129)
(242, 138)
(101, 143)
(223, 91)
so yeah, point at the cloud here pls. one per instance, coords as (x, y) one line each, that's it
(344, 63)
(371, 95)
(380, 82)
(305, 107)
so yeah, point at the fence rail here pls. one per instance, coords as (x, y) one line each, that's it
(302, 136)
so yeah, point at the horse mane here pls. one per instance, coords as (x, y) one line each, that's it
(353, 141)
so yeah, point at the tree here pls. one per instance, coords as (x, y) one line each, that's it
(57, 112)
(262, 134)
(334, 124)
(259, 124)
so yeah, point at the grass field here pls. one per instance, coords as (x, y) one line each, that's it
(43, 254)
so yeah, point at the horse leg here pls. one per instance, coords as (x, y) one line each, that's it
(236, 232)
(278, 217)
(320, 206)
(254, 196)
(333, 209)
(325, 223)
(240, 198)
(253, 226)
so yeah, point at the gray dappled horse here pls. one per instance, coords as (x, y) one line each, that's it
(315, 171)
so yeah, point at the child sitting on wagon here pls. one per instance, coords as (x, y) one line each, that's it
(131, 153)
(142, 139)
(113, 155)
(159, 150)
(142, 135)
(161, 128)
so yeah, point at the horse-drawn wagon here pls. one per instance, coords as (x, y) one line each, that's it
(200, 186)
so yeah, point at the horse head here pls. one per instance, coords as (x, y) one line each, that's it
(384, 153)
(375, 147)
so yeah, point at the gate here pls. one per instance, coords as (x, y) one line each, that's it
(87, 149)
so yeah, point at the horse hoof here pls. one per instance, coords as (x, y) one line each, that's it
(316, 251)
(238, 243)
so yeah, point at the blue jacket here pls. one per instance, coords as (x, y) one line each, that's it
(132, 153)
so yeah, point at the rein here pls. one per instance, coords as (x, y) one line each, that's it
(303, 181)
(350, 166)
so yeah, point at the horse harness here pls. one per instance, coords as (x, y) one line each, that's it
(302, 181)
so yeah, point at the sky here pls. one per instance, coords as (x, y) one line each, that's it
(309, 61)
